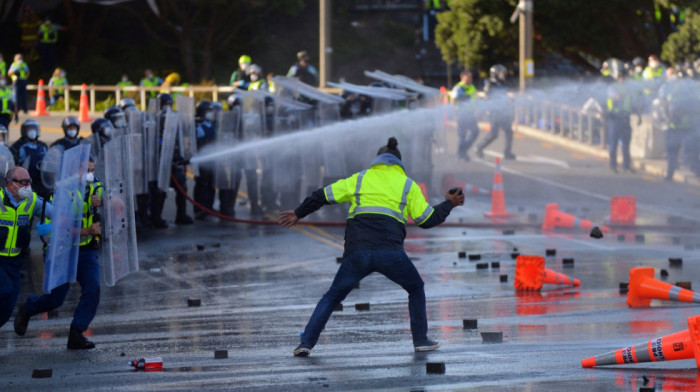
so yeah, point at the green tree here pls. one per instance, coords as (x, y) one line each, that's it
(683, 45)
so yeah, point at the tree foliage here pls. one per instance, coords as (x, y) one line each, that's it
(683, 45)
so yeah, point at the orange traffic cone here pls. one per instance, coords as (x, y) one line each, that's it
(84, 105)
(498, 198)
(623, 210)
(554, 218)
(530, 274)
(679, 345)
(449, 181)
(41, 101)
(643, 288)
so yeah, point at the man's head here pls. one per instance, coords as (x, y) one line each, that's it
(18, 58)
(303, 57)
(244, 61)
(90, 178)
(465, 77)
(19, 184)
(390, 148)
(654, 62)
(148, 73)
(671, 73)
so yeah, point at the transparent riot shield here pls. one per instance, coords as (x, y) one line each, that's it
(152, 141)
(61, 262)
(187, 136)
(119, 252)
(135, 121)
(253, 127)
(170, 126)
(227, 135)
(7, 161)
(333, 153)
(50, 164)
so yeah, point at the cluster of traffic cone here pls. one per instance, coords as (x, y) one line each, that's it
(498, 197)
(554, 218)
(449, 181)
(41, 100)
(84, 105)
(531, 274)
(680, 345)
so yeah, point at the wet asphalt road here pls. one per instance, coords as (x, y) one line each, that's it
(259, 284)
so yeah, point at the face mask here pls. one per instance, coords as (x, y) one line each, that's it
(653, 64)
(24, 192)
(90, 178)
(209, 117)
(254, 77)
(32, 134)
(120, 123)
(125, 79)
(72, 133)
(107, 131)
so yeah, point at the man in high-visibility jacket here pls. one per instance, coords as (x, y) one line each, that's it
(48, 37)
(18, 204)
(19, 72)
(7, 103)
(88, 273)
(382, 198)
(464, 98)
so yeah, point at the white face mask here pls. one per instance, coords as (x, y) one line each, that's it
(120, 123)
(32, 134)
(209, 117)
(124, 79)
(254, 77)
(72, 133)
(107, 131)
(653, 64)
(25, 192)
(90, 177)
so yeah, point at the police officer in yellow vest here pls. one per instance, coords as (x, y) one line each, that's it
(7, 104)
(620, 102)
(48, 36)
(88, 274)
(3, 66)
(19, 72)
(57, 81)
(18, 205)
(463, 96)
(151, 80)
(382, 198)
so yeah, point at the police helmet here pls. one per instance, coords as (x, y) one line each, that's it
(255, 69)
(303, 55)
(116, 116)
(217, 106)
(27, 125)
(638, 62)
(202, 108)
(165, 99)
(127, 104)
(102, 127)
(233, 100)
(498, 72)
(68, 122)
(244, 59)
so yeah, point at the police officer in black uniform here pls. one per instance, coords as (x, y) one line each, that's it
(204, 190)
(30, 153)
(70, 139)
(501, 111)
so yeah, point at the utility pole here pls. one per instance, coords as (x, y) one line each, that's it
(524, 12)
(325, 49)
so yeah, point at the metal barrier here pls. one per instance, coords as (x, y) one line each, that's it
(565, 121)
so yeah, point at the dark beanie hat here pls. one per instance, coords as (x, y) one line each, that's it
(390, 148)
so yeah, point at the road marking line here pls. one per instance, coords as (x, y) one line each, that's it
(650, 178)
(578, 156)
(547, 146)
(518, 136)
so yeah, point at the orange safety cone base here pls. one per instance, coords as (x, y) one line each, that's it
(529, 272)
(676, 346)
(554, 218)
(643, 288)
(40, 101)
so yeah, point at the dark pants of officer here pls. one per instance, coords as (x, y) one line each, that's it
(691, 151)
(89, 278)
(21, 95)
(251, 180)
(467, 132)
(674, 141)
(497, 122)
(204, 191)
(5, 120)
(47, 52)
(9, 285)
(142, 214)
(619, 130)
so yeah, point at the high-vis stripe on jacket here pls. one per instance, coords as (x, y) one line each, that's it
(382, 189)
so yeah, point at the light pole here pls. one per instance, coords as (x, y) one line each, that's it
(524, 12)
(325, 49)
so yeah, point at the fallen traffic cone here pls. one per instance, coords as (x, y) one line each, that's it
(643, 288)
(679, 345)
(41, 101)
(498, 198)
(449, 181)
(554, 218)
(84, 105)
(530, 274)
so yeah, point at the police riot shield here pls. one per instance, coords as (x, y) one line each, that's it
(170, 130)
(50, 164)
(187, 136)
(119, 252)
(254, 126)
(7, 160)
(333, 152)
(151, 136)
(428, 96)
(135, 121)
(227, 135)
(61, 260)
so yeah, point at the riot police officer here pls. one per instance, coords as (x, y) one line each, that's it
(101, 134)
(620, 104)
(71, 127)
(204, 190)
(30, 153)
(501, 111)
(127, 104)
(464, 96)
(117, 117)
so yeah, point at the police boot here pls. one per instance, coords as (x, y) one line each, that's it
(157, 203)
(227, 201)
(76, 340)
(181, 204)
(142, 214)
(21, 321)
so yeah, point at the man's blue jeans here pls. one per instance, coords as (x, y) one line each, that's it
(9, 285)
(395, 265)
(89, 279)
